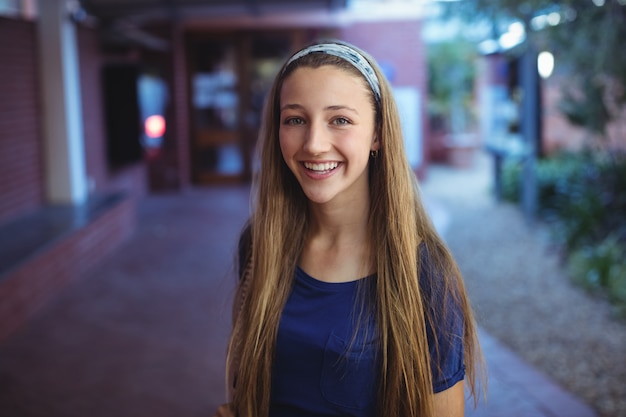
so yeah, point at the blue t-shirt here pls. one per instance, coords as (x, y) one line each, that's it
(322, 369)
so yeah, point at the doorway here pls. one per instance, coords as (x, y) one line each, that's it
(229, 76)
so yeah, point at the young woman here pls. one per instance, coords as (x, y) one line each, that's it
(349, 302)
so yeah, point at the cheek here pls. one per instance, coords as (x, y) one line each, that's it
(360, 145)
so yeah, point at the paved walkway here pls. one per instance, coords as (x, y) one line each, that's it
(144, 333)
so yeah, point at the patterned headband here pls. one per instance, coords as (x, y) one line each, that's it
(348, 54)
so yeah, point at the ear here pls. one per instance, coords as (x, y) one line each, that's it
(375, 144)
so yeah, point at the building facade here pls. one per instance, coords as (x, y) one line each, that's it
(73, 136)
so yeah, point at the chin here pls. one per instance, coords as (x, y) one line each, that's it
(318, 197)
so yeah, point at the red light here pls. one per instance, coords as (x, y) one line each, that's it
(155, 126)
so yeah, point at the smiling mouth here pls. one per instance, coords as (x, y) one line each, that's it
(321, 168)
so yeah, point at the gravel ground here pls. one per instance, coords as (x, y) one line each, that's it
(521, 292)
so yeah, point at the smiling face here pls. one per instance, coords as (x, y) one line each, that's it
(327, 130)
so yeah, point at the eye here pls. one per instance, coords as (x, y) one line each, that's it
(340, 121)
(293, 121)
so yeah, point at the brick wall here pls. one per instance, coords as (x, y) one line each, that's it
(558, 133)
(21, 183)
(398, 45)
(26, 290)
(27, 287)
(21, 159)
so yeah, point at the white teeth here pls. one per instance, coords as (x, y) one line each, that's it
(326, 166)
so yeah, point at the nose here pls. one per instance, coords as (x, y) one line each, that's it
(317, 140)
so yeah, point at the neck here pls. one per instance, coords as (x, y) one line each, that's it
(346, 224)
(337, 248)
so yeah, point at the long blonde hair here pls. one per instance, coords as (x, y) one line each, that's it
(399, 228)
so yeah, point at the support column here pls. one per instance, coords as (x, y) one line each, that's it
(529, 79)
(64, 155)
(494, 122)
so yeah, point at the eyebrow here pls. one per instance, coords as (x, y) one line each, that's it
(335, 107)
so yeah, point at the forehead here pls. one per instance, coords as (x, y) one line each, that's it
(328, 81)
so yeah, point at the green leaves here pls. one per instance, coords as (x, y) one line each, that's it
(582, 196)
(588, 44)
(451, 74)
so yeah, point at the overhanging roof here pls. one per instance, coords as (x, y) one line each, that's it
(122, 22)
(148, 10)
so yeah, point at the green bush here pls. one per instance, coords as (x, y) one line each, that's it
(451, 79)
(553, 177)
(592, 266)
(617, 288)
(511, 180)
(602, 268)
(583, 197)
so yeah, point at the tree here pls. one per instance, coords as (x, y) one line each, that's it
(451, 69)
(587, 37)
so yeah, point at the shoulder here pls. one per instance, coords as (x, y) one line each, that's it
(438, 274)
(438, 281)
(432, 275)
(444, 319)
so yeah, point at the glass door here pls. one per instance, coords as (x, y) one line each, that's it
(215, 111)
(230, 76)
(264, 55)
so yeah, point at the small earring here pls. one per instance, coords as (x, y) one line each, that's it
(374, 154)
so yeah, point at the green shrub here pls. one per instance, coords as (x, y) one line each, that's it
(602, 268)
(583, 195)
(617, 288)
(583, 198)
(592, 266)
(511, 180)
(553, 178)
